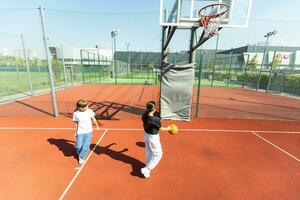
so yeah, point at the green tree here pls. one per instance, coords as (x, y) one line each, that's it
(209, 65)
(151, 66)
(57, 69)
(277, 61)
(253, 62)
(33, 62)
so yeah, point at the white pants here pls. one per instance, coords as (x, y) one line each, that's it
(153, 150)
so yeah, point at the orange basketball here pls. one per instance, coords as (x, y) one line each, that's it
(173, 129)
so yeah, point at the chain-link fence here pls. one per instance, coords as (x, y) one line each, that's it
(237, 71)
(24, 68)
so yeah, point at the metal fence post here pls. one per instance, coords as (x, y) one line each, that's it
(54, 105)
(27, 65)
(64, 66)
(245, 73)
(199, 83)
(228, 78)
(270, 73)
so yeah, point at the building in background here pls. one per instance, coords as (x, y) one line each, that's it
(287, 57)
(19, 54)
(75, 56)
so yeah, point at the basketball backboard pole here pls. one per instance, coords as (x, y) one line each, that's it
(192, 42)
(163, 59)
(163, 49)
(171, 31)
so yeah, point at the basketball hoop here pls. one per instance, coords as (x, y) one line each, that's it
(211, 17)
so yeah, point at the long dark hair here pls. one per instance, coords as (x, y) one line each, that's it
(150, 106)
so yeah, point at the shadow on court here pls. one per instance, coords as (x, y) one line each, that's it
(34, 108)
(65, 146)
(136, 165)
(109, 110)
(140, 144)
(68, 150)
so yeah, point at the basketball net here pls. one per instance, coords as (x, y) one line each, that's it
(212, 27)
(211, 17)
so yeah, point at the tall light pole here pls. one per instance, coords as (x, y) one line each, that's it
(128, 54)
(269, 34)
(114, 33)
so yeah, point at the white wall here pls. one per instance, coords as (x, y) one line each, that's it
(286, 57)
(297, 58)
(252, 55)
(73, 53)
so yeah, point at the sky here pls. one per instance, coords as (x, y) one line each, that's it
(88, 23)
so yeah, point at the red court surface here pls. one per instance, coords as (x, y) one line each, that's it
(197, 164)
(113, 102)
(233, 157)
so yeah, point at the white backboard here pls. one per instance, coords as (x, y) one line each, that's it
(184, 13)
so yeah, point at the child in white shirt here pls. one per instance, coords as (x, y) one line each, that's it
(83, 118)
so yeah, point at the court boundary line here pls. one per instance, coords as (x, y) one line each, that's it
(274, 145)
(81, 167)
(140, 129)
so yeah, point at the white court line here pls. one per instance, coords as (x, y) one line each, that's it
(140, 129)
(294, 157)
(81, 167)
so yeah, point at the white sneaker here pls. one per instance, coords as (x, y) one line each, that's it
(146, 172)
(81, 161)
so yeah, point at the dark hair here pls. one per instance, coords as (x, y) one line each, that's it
(150, 106)
(80, 104)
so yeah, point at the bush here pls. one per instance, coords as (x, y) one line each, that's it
(292, 81)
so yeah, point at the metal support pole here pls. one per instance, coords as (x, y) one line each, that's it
(164, 57)
(199, 83)
(82, 68)
(245, 73)
(45, 37)
(114, 62)
(261, 65)
(269, 34)
(112, 58)
(64, 66)
(192, 42)
(99, 66)
(18, 75)
(164, 54)
(270, 73)
(27, 66)
(228, 78)
(89, 65)
(129, 62)
(212, 80)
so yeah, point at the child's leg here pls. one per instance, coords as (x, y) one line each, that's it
(79, 143)
(156, 151)
(147, 146)
(85, 145)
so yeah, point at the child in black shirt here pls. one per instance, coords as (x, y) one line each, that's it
(152, 126)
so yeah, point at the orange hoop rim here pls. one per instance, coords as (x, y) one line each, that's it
(204, 18)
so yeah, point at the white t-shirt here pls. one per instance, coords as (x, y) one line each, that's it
(84, 121)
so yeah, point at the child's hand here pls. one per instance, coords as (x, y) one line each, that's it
(97, 128)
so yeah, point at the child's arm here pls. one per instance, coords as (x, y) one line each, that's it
(76, 127)
(165, 128)
(95, 122)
